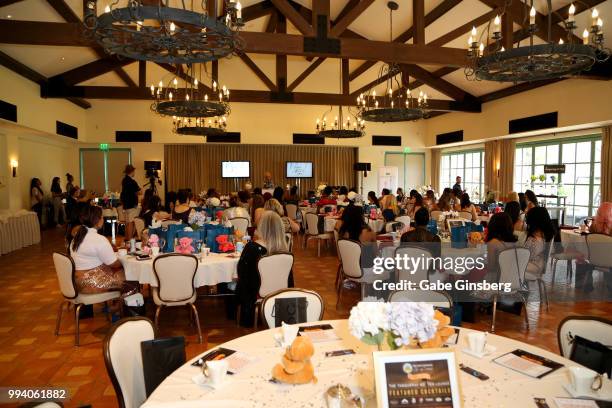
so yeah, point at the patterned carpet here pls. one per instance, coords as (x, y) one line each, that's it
(30, 355)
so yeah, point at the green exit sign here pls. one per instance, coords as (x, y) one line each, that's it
(407, 150)
(103, 146)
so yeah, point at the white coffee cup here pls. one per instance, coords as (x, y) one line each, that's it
(585, 380)
(138, 245)
(215, 371)
(121, 252)
(477, 342)
(154, 251)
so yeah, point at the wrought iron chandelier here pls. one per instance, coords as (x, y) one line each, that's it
(489, 60)
(393, 105)
(158, 32)
(341, 129)
(186, 99)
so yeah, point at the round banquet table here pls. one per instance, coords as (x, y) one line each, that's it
(250, 387)
(212, 270)
(18, 229)
(573, 241)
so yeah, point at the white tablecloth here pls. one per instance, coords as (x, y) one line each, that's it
(212, 270)
(251, 388)
(18, 229)
(572, 241)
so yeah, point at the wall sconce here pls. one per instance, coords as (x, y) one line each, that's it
(14, 165)
(497, 170)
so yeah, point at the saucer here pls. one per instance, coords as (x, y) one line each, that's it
(597, 395)
(487, 350)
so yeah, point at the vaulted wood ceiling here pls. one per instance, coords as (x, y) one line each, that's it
(43, 41)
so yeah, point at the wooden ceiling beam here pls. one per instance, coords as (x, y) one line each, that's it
(258, 72)
(179, 72)
(239, 95)
(313, 65)
(344, 75)
(142, 74)
(281, 60)
(346, 17)
(463, 30)
(294, 16)
(90, 70)
(320, 10)
(437, 83)
(373, 83)
(257, 10)
(4, 3)
(432, 16)
(272, 22)
(418, 21)
(28, 73)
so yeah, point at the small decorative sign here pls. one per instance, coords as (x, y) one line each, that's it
(554, 168)
(417, 378)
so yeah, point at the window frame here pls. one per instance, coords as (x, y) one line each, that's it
(481, 166)
(105, 153)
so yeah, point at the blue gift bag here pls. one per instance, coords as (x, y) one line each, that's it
(194, 235)
(173, 230)
(459, 237)
(160, 233)
(432, 226)
(212, 232)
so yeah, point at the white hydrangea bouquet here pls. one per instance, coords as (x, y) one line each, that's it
(396, 324)
(197, 219)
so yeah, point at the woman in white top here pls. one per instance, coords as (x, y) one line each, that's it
(97, 267)
(288, 224)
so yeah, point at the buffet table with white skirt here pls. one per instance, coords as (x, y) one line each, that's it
(18, 229)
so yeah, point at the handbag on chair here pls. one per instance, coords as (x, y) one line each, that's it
(289, 310)
(592, 354)
(160, 358)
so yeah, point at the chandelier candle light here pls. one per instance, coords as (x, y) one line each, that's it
(155, 31)
(186, 99)
(489, 60)
(393, 105)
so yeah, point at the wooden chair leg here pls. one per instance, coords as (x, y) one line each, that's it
(58, 321)
(554, 271)
(237, 315)
(76, 322)
(197, 319)
(339, 289)
(255, 320)
(159, 307)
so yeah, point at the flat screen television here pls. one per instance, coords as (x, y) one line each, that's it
(235, 169)
(299, 170)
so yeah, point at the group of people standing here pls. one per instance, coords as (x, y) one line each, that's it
(58, 207)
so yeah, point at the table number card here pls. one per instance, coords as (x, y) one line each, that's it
(417, 378)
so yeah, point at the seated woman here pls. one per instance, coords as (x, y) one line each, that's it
(235, 210)
(257, 209)
(269, 240)
(182, 210)
(342, 194)
(420, 233)
(416, 203)
(429, 201)
(500, 236)
(372, 199)
(288, 224)
(327, 197)
(513, 209)
(153, 211)
(466, 205)
(540, 233)
(243, 199)
(390, 210)
(532, 200)
(292, 196)
(444, 202)
(352, 226)
(602, 222)
(97, 267)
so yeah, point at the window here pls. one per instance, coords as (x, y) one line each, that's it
(580, 182)
(102, 170)
(470, 166)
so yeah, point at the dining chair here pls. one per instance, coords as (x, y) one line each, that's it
(314, 309)
(531, 276)
(566, 255)
(123, 359)
(274, 273)
(404, 219)
(240, 223)
(600, 253)
(466, 215)
(512, 263)
(438, 299)
(415, 252)
(593, 328)
(291, 211)
(65, 269)
(175, 274)
(435, 215)
(350, 261)
(312, 232)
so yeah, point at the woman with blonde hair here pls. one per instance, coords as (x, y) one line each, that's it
(513, 196)
(270, 237)
(390, 210)
(274, 205)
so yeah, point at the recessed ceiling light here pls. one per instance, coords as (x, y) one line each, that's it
(62, 59)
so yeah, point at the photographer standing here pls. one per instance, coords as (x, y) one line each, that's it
(129, 200)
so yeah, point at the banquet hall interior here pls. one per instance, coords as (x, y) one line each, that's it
(181, 179)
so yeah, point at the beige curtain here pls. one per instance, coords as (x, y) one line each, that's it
(435, 169)
(506, 151)
(606, 164)
(199, 166)
(490, 170)
(499, 166)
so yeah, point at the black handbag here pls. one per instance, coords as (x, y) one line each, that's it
(289, 310)
(592, 354)
(160, 358)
